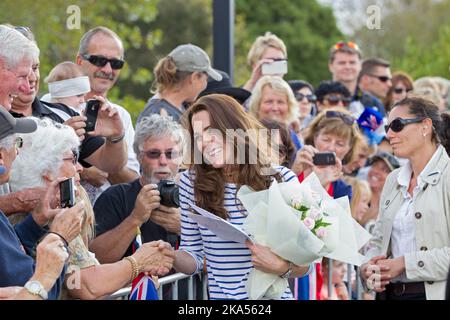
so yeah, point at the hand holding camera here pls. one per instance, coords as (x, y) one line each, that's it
(168, 218)
(102, 119)
(46, 207)
(147, 200)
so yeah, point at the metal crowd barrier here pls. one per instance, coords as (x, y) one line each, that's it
(172, 280)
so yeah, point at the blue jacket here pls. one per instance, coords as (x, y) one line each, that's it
(16, 266)
(341, 189)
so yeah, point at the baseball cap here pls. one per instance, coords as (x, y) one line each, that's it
(388, 158)
(190, 58)
(10, 125)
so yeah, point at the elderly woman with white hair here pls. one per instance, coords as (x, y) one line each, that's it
(273, 99)
(21, 276)
(50, 153)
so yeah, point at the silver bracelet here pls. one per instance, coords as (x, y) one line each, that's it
(116, 139)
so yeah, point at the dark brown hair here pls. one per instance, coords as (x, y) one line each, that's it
(285, 137)
(225, 113)
(422, 107)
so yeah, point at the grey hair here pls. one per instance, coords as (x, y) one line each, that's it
(15, 47)
(86, 39)
(42, 153)
(156, 125)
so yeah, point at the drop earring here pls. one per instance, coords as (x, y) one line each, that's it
(2, 170)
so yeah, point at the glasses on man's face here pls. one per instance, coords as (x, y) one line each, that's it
(334, 100)
(309, 97)
(381, 78)
(398, 124)
(343, 44)
(155, 154)
(401, 90)
(18, 143)
(344, 117)
(74, 158)
(101, 61)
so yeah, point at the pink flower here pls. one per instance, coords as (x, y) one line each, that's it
(321, 232)
(314, 213)
(309, 223)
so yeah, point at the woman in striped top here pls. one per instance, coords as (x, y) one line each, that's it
(222, 161)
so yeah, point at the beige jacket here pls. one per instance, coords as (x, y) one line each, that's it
(432, 226)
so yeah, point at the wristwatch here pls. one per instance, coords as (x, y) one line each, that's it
(288, 273)
(36, 288)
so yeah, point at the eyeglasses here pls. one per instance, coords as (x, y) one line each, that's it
(74, 158)
(381, 78)
(348, 44)
(398, 124)
(401, 90)
(18, 143)
(334, 100)
(101, 61)
(155, 154)
(344, 117)
(301, 96)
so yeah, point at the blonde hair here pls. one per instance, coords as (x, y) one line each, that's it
(337, 127)
(279, 86)
(63, 71)
(167, 76)
(268, 40)
(359, 188)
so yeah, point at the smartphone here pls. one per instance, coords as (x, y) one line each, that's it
(324, 159)
(92, 107)
(276, 67)
(67, 193)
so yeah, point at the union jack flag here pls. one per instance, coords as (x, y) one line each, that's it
(142, 287)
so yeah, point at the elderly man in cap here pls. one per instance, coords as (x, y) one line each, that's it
(41, 279)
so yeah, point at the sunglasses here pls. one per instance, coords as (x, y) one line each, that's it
(309, 97)
(74, 158)
(334, 100)
(343, 44)
(381, 78)
(344, 117)
(101, 61)
(400, 90)
(398, 124)
(155, 154)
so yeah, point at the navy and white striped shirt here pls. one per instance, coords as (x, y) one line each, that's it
(228, 263)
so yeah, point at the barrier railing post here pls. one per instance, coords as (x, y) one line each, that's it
(175, 290)
(190, 288)
(330, 278)
(349, 280)
(205, 286)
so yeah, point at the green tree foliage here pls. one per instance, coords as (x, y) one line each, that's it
(150, 29)
(307, 28)
(414, 36)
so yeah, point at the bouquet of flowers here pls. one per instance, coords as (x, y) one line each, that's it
(301, 223)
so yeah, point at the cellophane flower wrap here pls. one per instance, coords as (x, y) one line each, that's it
(301, 223)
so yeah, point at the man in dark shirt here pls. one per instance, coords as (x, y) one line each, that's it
(124, 208)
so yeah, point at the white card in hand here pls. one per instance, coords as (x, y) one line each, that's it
(220, 227)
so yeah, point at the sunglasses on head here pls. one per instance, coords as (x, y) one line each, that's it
(155, 154)
(398, 124)
(309, 97)
(334, 100)
(401, 90)
(381, 78)
(343, 44)
(101, 61)
(344, 117)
